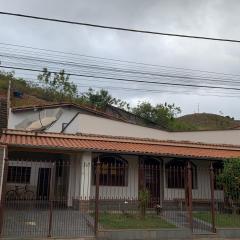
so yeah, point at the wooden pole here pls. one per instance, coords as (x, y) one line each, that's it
(212, 198)
(9, 98)
(3, 189)
(189, 182)
(97, 198)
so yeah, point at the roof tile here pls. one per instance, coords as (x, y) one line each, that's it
(24, 139)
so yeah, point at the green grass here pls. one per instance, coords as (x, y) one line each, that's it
(121, 221)
(222, 220)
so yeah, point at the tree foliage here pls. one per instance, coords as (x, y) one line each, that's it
(100, 99)
(229, 178)
(57, 87)
(162, 114)
(58, 84)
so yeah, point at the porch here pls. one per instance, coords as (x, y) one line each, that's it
(100, 189)
(46, 191)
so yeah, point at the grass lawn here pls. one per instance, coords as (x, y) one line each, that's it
(222, 220)
(120, 221)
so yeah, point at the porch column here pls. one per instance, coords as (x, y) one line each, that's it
(72, 180)
(80, 179)
(86, 175)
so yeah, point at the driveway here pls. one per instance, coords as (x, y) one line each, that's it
(35, 223)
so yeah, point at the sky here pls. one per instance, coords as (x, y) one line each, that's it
(215, 18)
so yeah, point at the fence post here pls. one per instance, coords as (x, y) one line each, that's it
(4, 181)
(97, 198)
(212, 197)
(50, 219)
(189, 188)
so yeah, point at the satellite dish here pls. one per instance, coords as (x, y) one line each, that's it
(37, 125)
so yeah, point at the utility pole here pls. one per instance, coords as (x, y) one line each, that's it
(9, 98)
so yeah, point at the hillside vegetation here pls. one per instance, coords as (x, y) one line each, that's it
(163, 115)
(208, 121)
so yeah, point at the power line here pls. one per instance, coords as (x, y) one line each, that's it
(115, 60)
(127, 80)
(124, 71)
(120, 28)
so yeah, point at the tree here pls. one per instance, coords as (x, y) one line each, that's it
(144, 196)
(162, 114)
(229, 179)
(100, 99)
(58, 84)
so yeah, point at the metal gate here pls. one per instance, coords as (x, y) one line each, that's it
(35, 200)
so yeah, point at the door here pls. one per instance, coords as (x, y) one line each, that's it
(43, 186)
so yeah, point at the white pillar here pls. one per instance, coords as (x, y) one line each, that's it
(86, 175)
(80, 177)
(72, 177)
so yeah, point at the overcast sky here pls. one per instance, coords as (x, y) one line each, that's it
(215, 18)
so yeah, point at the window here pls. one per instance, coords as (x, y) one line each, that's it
(113, 170)
(217, 169)
(19, 174)
(176, 171)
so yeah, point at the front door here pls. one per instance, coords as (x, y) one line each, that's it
(43, 186)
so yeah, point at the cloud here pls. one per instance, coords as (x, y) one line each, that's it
(217, 18)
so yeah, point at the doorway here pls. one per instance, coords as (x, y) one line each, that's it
(43, 185)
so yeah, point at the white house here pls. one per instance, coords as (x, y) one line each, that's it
(54, 150)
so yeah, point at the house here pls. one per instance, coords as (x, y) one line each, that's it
(71, 155)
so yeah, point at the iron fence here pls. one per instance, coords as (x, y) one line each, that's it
(64, 197)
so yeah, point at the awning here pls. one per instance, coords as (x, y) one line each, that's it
(99, 143)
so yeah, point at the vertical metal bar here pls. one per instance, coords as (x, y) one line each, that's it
(212, 198)
(50, 196)
(189, 182)
(50, 219)
(141, 174)
(97, 198)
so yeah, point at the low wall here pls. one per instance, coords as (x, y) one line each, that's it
(140, 234)
(228, 232)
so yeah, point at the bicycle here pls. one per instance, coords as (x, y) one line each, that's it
(19, 193)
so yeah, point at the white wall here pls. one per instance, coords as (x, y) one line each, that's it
(66, 116)
(97, 125)
(86, 123)
(217, 137)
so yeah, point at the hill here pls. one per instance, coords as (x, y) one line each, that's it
(208, 121)
(35, 95)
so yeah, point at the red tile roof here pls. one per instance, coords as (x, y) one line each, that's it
(23, 139)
